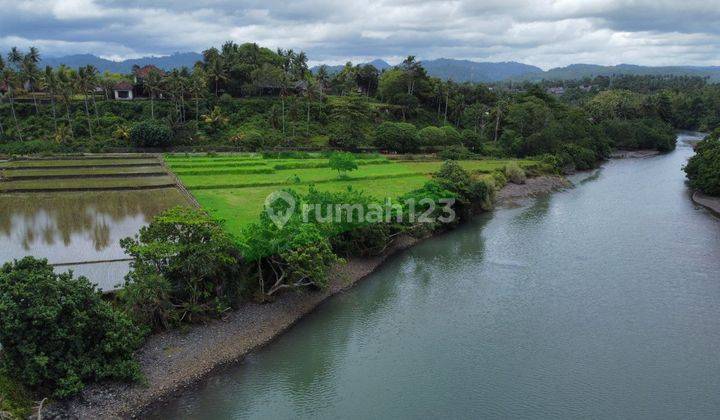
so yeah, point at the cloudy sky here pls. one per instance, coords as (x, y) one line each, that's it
(546, 33)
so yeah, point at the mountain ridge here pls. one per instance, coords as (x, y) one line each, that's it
(446, 68)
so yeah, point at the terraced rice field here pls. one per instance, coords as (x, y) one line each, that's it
(234, 187)
(83, 174)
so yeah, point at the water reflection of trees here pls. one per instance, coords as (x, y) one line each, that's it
(53, 217)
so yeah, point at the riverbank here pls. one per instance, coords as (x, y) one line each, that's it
(174, 360)
(709, 202)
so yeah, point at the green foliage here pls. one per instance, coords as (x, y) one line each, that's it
(185, 268)
(470, 192)
(58, 334)
(150, 134)
(514, 173)
(703, 169)
(343, 163)
(397, 137)
(640, 134)
(431, 136)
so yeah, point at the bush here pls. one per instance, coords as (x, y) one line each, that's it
(703, 169)
(185, 268)
(431, 136)
(150, 134)
(343, 163)
(396, 137)
(58, 334)
(514, 173)
(452, 136)
(640, 134)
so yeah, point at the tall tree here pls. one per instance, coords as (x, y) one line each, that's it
(9, 79)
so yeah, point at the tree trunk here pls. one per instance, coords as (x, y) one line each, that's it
(447, 98)
(87, 114)
(152, 105)
(67, 114)
(283, 114)
(12, 108)
(497, 125)
(307, 124)
(52, 106)
(197, 110)
(32, 92)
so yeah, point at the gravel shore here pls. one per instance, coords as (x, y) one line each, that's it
(174, 360)
(709, 202)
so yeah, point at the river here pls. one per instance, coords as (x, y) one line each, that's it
(600, 301)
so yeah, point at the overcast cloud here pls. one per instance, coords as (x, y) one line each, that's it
(546, 33)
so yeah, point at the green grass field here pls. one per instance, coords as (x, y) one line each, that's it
(50, 172)
(238, 197)
(46, 184)
(48, 163)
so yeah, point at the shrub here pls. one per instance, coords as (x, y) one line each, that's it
(58, 334)
(343, 163)
(185, 268)
(150, 134)
(514, 173)
(431, 136)
(703, 169)
(452, 136)
(456, 152)
(396, 137)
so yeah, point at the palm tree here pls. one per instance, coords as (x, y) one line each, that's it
(322, 77)
(91, 76)
(30, 72)
(312, 92)
(216, 73)
(81, 84)
(152, 82)
(197, 88)
(51, 85)
(498, 114)
(9, 78)
(66, 89)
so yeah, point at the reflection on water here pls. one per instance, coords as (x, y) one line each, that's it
(79, 226)
(601, 301)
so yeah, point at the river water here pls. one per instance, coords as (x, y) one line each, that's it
(601, 301)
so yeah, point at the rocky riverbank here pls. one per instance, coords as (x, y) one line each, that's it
(174, 360)
(709, 202)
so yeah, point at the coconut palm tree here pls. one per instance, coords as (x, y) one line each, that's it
(66, 89)
(50, 82)
(197, 88)
(152, 83)
(8, 79)
(81, 84)
(30, 73)
(216, 73)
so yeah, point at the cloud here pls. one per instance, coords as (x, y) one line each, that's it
(547, 33)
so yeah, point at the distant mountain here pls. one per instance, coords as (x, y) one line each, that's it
(169, 62)
(459, 70)
(444, 68)
(579, 71)
(473, 71)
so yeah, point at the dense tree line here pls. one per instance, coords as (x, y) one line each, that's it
(251, 98)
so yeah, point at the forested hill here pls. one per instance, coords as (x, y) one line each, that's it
(444, 68)
(169, 62)
(580, 71)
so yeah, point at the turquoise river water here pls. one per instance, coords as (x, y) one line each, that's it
(601, 301)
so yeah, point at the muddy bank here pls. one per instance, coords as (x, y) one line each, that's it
(532, 187)
(176, 359)
(633, 154)
(709, 202)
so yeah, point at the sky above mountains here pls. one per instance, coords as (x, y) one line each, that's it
(546, 33)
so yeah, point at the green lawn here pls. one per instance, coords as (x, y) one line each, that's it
(238, 197)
